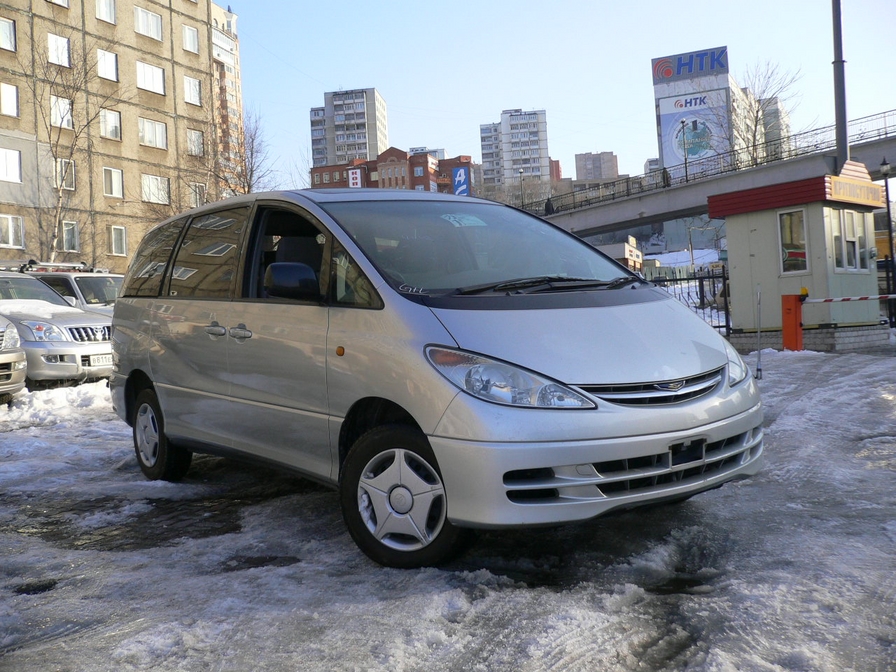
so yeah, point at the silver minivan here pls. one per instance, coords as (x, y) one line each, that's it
(447, 363)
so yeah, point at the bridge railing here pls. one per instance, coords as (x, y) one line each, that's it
(864, 129)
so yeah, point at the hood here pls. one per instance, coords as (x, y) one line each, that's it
(633, 343)
(65, 316)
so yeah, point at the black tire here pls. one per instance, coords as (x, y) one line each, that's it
(158, 458)
(394, 502)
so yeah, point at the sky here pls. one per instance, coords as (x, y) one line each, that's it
(445, 68)
(241, 568)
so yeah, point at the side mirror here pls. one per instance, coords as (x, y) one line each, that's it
(72, 301)
(288, 280)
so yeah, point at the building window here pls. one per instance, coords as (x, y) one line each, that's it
(792, 237)
(851, 251)
(107, 65)
(113, 182)
(316, 178)
(191, 39)
(418, 171)
(335, 175)
(110, 124)
(327, 177)
(197, 194)
(105, 10)
(150, 78)
(7, 34)
(12, 231)
(148, 23)
(118, 241)
(61, 3)
(65, 174)
(58, 49)
(61, 112)
(154, 189)
(195, 142)
(10, 165)
(69, 240)
(9, 100)
(192, 90)
(153, 133)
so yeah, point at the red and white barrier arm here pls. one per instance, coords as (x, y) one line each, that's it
(876, 297)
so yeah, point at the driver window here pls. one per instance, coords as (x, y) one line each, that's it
(350, 287)
(288, 237)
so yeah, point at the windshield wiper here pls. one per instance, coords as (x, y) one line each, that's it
(520, 283)
(623, 280)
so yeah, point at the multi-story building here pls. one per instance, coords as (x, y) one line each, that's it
(515, 149)
(702, 112)
(106, 124)
(599, 166)
(350, 125)
(397, 169)
(232, 170)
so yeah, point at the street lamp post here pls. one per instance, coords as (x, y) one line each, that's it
(885, 172)
(521, 189)
(684, 146)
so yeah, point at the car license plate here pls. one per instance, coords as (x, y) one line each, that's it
(100, 360)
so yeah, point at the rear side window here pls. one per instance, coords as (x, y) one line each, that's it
(147, 269)
(206, 261)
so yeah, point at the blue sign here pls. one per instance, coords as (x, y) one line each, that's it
(691, 65)
(461, 178)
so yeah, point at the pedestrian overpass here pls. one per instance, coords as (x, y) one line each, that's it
(683, 190)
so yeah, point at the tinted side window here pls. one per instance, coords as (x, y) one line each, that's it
(144, 276)
(61, 285)
(206, 262)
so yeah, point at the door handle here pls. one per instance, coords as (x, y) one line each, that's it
(215, 329)
(240, 332)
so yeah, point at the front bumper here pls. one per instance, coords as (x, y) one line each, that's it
(12, 371)
(64, 360)
(496, 485)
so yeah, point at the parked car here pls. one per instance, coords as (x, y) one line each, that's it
(62, 343)
(13, 364)
(93, 291)
(446, 362)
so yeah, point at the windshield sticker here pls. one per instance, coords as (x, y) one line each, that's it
(463, 220)
(407, 289)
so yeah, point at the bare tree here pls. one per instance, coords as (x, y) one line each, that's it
(764, 110)
(244, 165)
(69, 96)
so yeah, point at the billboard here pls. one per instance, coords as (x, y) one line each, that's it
(461, 181)
(690, 65)
(693, 125)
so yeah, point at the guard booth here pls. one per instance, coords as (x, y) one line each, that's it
(817, 234)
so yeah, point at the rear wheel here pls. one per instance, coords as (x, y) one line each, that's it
(394, 502)
(157, 457)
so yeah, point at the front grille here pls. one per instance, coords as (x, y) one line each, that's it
(90, 334)
(658, 393)
(5, 372)
(682, 463)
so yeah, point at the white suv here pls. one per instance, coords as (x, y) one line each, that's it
(93, 291)
(62, 343)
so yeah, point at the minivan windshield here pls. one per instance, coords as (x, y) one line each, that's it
(437, 247)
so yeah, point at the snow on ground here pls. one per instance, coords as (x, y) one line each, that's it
(240, 568)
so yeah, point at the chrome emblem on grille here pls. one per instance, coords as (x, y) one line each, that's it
(670, 387)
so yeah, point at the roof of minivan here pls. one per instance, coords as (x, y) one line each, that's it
(321, 196)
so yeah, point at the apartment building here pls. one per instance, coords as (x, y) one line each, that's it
(107, 118)
(350, 125)
(597, 166)
(515, 148)
(232, 170)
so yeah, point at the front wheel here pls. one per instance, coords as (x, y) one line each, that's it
(158, 458)
(394, 502)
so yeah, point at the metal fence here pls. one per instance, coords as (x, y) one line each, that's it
(865, 129)
(704, 292)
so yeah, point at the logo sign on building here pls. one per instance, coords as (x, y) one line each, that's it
(461, 181)
(354, 177)
(690, 65)
(693, 125)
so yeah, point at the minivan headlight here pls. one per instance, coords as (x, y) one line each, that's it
(502, 383)
(10, 338)
(737, 370)
(44, 331)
